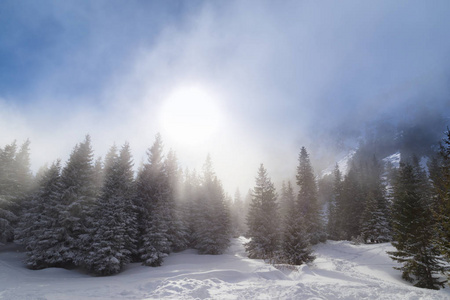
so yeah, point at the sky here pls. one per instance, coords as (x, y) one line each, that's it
(264, 77)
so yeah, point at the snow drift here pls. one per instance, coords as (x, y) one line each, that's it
(340, 271)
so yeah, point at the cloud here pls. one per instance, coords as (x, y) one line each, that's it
(288, 74)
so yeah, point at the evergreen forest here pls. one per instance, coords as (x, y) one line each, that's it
(102, 214)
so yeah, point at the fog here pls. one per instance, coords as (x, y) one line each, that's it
(284, 75)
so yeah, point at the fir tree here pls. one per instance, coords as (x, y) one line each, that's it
(7, 186)
(151, 198)
(99, 174)
(263, 219)
(351, 204)
(212, 228)
(440, 177)
(295, 248)
(39, 229)
(333, 225)
(78, 194)
(285, 199)
(188, 211)
(114, 230)
(177, 231)
(375, 220)
(238, 213)
(307, 200)
(412, 224)
(15, 187)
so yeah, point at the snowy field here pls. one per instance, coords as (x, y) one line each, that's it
(341, 271)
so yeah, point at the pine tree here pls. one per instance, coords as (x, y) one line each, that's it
(77, 203)
(188, 207)
(238, 213)
(375, 220)
(295, 247)
(98, 175)
(7, 186)
(15, 187)
(307, 199)
(177, 231)
(333, 225)
(351, 204)
(412, 224)
(212, 228)
(151, 199)
(114, 230)
(263, 219)
(23, 173)
(440, 177)
(285, 200)
(39, 229)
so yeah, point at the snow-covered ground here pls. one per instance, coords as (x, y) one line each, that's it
(341, 271)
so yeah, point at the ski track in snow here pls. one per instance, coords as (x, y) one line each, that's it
(341, 271)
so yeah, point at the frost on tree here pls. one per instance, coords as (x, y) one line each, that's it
(212, 228)
(78, 194)
(375, 221)
(439, 169)
(334, 222)
(263, 219)
(238, 213)
(15, 185)
(40, 230)
(152, 192)
(114, 230)
(295, 246)
(159, 231)
(177, 231)
(413, 228)
(307, 200)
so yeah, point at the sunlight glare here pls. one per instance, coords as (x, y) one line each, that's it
(190, 115)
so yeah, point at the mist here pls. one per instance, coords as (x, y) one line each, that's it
(285, 75)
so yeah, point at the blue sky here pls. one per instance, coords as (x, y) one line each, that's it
(284, 74)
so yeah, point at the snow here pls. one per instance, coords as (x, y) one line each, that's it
(343, 164)
(340, 271)
(394, 159)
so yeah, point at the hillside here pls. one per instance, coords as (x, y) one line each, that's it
(340, 271)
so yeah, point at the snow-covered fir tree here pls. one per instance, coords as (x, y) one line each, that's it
(307, 199)
(238, 214)
(350, 204)
(7, 186)
(177, 229)
(37, 231)
(152, 194)
(114, 228)
(15, 186)
(439, 169)
(375, 218)
(333, 224)
(412, 225)
(99, 174)
(285, 200)
(78, 195)
(263, 219)
(188, 200)
(295, 246)
(212, 226)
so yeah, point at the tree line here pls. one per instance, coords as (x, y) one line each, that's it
(97, 215)
(372, 203)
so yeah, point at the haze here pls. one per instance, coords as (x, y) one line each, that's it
(278, 75)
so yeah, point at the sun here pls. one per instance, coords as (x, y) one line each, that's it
(190, 115)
